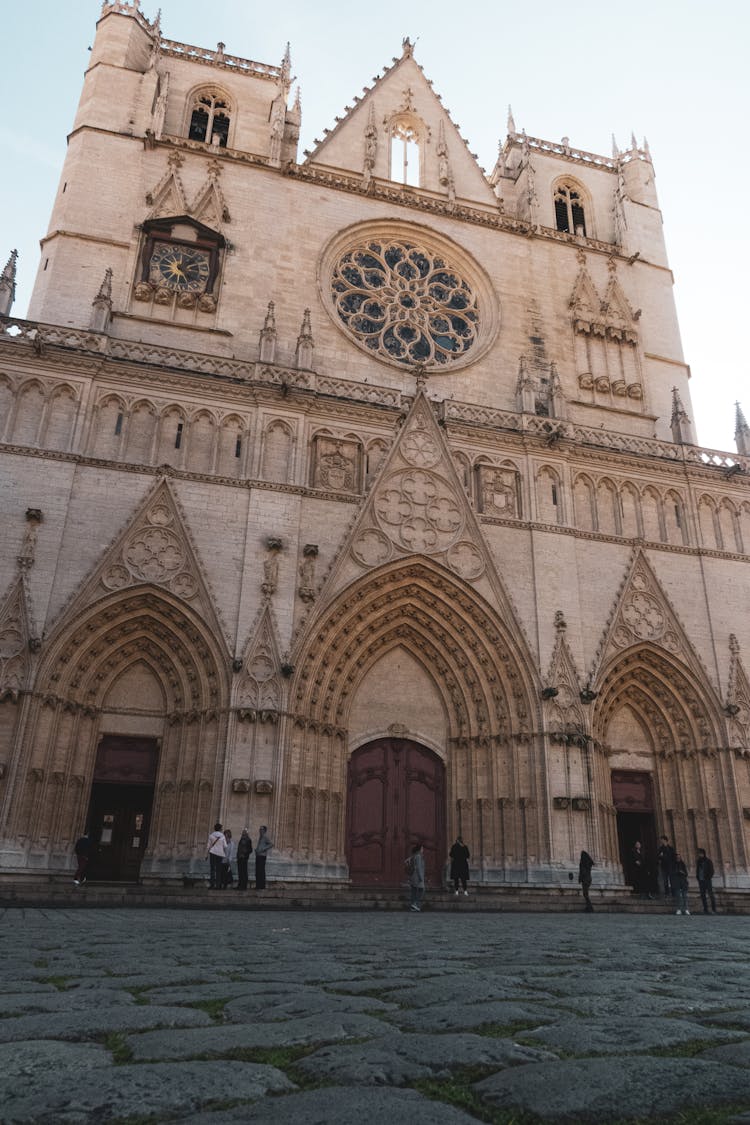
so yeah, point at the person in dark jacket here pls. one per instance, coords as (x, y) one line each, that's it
(681, 885)
(666, 857)
(585, 864)
(460, 854)
(262, 848)
(83, 849)
(244, 849)
(704, 873)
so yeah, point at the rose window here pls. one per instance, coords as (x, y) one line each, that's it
(405, 303)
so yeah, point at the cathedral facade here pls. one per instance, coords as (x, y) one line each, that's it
(355, 493)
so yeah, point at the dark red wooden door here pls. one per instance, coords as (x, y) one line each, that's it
(395, 799)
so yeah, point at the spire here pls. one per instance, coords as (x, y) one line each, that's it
(682, 430)
(101, 306)
(305, 344)
(511, 122)
(286, 69)
(741, 431)
(268, 336)
(8, 284)
(615, 149)
(633, 142)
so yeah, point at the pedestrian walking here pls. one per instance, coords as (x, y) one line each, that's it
(230, 855)
(82, 850)
(216, 848)
(704, 873)
(666, 857)
(415, 871)
(244, 849)
(460, 856)
(681, 888)
(262, 848)
(585, 864)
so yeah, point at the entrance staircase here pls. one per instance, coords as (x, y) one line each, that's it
(51, 891)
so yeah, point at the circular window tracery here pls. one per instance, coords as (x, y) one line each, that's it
(406, 303)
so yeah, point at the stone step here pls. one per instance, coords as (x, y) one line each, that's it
(60, 891)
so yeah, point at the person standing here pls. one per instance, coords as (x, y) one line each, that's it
(704, 873)
(585, 864)
(83, 856)
(262, 848)
(415, 868)
(666, 857)
(227, 875)
(244, 848)
(216, 848)
(681, 887)
(460, 854)
(638, 868)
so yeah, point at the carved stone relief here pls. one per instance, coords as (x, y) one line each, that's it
(336, 465)
(498, 491)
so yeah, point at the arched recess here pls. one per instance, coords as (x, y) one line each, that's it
(142, 633)
(657, 719)
(485, 682)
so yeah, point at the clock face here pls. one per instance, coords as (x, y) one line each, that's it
(182, 268)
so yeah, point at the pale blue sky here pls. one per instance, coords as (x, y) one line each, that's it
(675, 71)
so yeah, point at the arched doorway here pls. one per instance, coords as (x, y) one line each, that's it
(395, 798)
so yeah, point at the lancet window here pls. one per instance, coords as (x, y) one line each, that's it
(209, 118)
(569, 211)
(406, 151)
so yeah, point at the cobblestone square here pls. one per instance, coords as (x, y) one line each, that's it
(136, 1016)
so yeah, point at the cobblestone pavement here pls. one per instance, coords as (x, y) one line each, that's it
(132, 1015)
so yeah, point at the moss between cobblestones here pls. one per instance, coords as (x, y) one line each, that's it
(41, 963)
(689, 1049)
(215, 1008)
(61, 983)
(140, 994)
(505, 1031)
(458, 1091)
(116, 1044)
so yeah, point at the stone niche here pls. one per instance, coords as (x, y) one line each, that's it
(498, 491)
(336, 465)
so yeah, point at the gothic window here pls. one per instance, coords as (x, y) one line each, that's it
(209, 119)
(569, 213)
(405, 152)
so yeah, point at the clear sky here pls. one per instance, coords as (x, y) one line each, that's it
(675, 71)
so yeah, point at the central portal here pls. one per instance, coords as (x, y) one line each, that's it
(395, 799)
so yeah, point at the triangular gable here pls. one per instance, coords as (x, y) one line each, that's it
(155, 548)
(643, 614)
(168, 197)
(209, 206)
(16, 639)
(259, 688)
(564, 710)
(360, 141)
(417, 505)
(585, 303)
(616, 309)
(738, 700)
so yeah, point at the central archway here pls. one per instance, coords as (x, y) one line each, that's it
(395, 799)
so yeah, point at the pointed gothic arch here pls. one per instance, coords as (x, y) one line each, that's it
(88, 652)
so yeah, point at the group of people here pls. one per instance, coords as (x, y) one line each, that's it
(674, 876)
(224, 852)
(415, 870)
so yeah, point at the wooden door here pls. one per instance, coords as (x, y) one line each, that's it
(122, 795)
(395, 799)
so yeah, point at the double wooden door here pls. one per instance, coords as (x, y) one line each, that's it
(395, 799)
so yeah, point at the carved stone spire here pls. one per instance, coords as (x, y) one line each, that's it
(556, 396)
(615, 149)
(8, 284)
(525, 388)
(268, 336)
(682, 428)
(511, 121)
(305, 344)
(444, 168)
(101, 306)
(741, 431)
(371, 148)
(286, 69)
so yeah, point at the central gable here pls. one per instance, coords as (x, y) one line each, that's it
(400, 131)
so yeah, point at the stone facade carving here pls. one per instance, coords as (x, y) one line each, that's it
(336, 465)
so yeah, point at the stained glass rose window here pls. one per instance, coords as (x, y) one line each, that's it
(405, 303)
